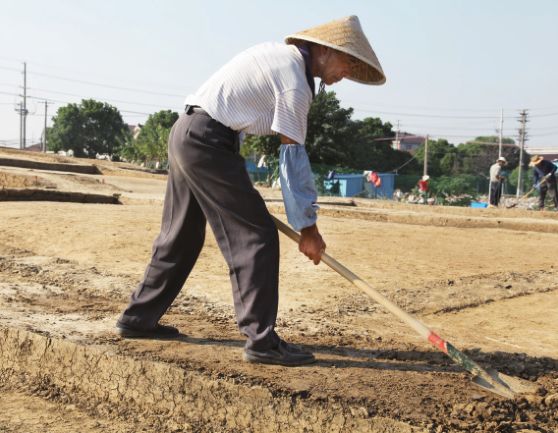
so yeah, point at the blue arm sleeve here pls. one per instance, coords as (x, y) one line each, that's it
(297, 186)
(535, 176)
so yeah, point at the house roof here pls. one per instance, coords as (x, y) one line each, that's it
(548, 153)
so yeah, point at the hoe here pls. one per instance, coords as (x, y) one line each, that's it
(490, 380)
(542, 182)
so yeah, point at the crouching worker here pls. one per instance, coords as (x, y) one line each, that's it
(544, 179)
(264, 90)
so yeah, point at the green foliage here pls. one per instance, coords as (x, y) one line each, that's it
(329, 130)
(442, 157)
(151, 144)
(268, 145)
(370, 147)
(261, 145)
(476, 156)
(527, 180)
(87, 129)
(129, 151)
(152, 141)
(473, 157)
(453, 185)
(406, 182)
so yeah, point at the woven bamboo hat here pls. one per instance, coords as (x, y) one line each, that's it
(535, 160)
(346, 35)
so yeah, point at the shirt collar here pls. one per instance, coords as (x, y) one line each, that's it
(305, 51)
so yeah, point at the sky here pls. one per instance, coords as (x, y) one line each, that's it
(452, 66)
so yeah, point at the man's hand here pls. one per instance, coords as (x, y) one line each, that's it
(311, 243)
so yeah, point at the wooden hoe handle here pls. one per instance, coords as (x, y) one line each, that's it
(442, 345)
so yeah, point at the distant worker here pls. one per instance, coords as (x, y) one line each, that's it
(496, 181)
(544, 179)
(423, 185)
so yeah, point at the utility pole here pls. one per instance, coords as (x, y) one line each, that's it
(522, 139)
(45, 131)
(23, 144)
(425, 168)
(396, 145)
(19, 110)
(500, 135)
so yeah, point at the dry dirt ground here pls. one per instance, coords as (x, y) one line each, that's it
(487, 280)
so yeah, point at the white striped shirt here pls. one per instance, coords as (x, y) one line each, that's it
(261, 91)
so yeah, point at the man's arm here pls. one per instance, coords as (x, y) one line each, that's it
(299, 195)
(536, 176)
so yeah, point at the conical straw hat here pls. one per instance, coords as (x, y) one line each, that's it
(535, 160)
(346, 35)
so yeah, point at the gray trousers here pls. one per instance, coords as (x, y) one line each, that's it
(550, 185)
(208, 181)
(495, 193)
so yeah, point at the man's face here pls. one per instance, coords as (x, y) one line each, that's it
(336, 66)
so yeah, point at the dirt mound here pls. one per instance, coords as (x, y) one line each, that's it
(29, 194)
(39, 165)
(10, 180)
(454, 218)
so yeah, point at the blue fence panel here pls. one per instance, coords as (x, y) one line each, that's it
(344, 185)
(349, 185)
(386, 188)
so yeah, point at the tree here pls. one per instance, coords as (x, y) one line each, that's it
(369, 144)
(476, 156)
(87, 129)
(527, 178)
(329, 130)
(152, 141)
(442, 157)
(454, 185)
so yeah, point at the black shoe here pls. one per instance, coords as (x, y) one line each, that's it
(158, 332)
(283, 354)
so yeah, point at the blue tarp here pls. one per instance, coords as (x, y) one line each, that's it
(349, 185)
(251, 167)
(385, 190)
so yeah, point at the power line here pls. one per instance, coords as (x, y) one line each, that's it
(9, 69)
(545, 115)
(443, 116)
(446, 127)
(68, 102)
(89, 97)
(174, 88)
(91, 83)
(468, 109)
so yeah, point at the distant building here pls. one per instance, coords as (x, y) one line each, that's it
(135, 130)
(408, 142)
(550, 153)
(38, 147)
